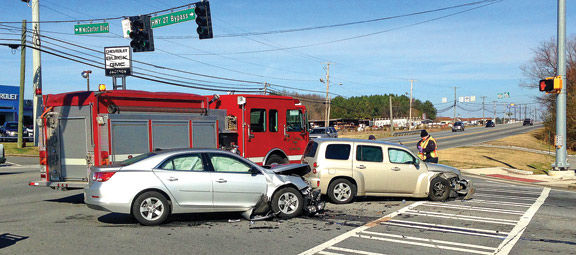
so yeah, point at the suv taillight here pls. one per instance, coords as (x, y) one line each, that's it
(102, 176)
(314, 166)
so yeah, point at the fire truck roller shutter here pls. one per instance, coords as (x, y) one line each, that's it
(170, 134)
(204, 134)
(73, 147)
(128, 138)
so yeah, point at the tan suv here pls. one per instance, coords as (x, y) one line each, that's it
(346, 168)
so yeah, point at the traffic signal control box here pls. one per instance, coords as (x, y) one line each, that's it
(551, 84)
(141, 34)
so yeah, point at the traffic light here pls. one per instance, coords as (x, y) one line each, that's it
(203, 20)
(141, 34)
(551, 84)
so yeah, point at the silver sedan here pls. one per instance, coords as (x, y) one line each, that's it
(154, 185)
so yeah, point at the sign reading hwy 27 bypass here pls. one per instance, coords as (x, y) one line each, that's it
(118, 61)
(96, 28)
(173, 18)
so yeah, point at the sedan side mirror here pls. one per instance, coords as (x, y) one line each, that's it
(254, 171)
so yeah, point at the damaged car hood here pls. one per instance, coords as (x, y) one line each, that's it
(291, 169)
(443, 169)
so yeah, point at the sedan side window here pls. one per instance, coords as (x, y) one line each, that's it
(369, 153)
(184, 163)
(223, 163)
(398, 156)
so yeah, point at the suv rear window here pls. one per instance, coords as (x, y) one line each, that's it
(311, 149)
(338, 151)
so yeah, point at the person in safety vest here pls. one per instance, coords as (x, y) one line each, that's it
(427, 148)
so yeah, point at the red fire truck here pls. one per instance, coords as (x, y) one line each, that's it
(83, 129)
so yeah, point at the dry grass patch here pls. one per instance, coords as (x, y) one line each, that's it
(480, 157)
(12, 148)
(528, 140)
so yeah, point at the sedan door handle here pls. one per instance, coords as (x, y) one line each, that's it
(396, 168)
(361, 167)
(172, 179)
(221, 181)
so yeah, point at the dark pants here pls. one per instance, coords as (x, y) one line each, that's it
(431, 160)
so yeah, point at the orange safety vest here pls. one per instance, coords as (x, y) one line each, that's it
(424, 144)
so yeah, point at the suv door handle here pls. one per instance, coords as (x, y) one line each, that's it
(172, 179)
(221, 181)
(395, 168)
(361, 167)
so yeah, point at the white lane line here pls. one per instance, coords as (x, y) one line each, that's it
(498, 203)
(472, 208)
(424, 244)
(531, 199)
(510, 191)
(354, 251)
(460, 218)
(329, 253)
(509, 187)
(452, 227)
(429, 228)
(506, 246)
(12, 164)
(355, 231)
(482, 247)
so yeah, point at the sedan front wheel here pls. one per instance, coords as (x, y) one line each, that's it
(287, 203)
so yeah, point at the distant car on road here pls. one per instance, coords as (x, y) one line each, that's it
(345, 168)
(490, 123)
(528, 122)
(154, 185)
(10, 129)
(458, 126)
(323, 132)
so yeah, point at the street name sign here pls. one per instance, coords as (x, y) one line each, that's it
(173, 18)
(118, 61)
(96, 28)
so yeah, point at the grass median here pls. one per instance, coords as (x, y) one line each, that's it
(11, 148)
(481, 157)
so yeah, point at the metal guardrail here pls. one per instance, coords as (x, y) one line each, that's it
(404, 133)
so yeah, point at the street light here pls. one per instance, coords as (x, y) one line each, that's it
(86, 75)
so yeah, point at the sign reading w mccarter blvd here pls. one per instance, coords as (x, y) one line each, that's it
(173, 18)
(118, 61)
(91, 28)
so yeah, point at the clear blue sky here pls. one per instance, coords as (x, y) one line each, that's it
(479, 51)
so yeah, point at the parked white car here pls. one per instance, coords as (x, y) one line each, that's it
(345, 168)
(154, 185)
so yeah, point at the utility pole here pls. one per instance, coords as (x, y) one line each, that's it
(265, 87)
(483, 118)
(409, 122)
(494, 112)
(327, 109)
(36, 67)
(22, 79)
(391, 117)
(561, 163)
(454, 121)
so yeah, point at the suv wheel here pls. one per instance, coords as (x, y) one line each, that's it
(341, 191)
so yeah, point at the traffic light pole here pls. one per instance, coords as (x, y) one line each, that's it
(561, 163)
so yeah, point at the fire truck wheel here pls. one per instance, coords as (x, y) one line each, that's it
(287, 203)
(276, 159)
(151, 208)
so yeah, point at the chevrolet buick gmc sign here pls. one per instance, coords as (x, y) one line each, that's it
(118, 61)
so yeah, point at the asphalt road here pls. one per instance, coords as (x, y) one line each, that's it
(502, 216)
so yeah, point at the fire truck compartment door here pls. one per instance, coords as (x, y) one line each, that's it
(73, 147)
(204, 134)
(129, 138)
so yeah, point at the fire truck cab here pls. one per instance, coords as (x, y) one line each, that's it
(265, 129)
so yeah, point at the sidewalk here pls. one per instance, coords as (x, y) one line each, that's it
(525, 177)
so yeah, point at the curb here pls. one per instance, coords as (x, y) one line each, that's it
(569, 187)
(22, 155)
